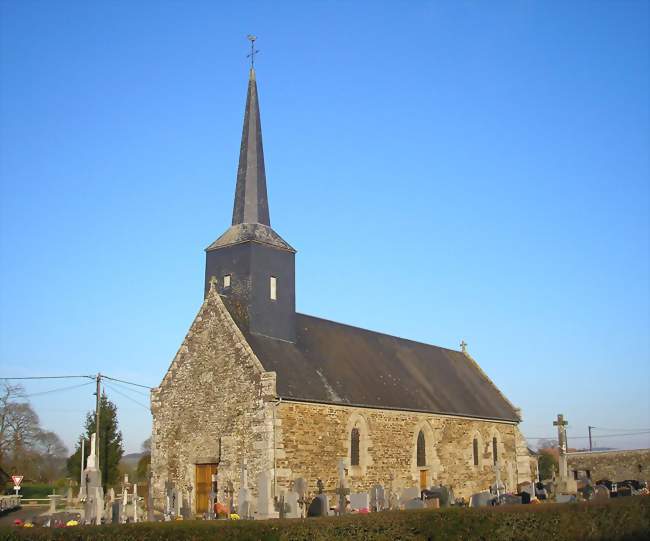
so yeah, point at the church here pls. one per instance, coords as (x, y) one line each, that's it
(292, 394)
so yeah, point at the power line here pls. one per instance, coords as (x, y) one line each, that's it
(127, 382)
(126, 396)
(587, 437)
(57, 390)
(131, 390)
(50, 377)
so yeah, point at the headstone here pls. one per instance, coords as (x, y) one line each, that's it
(319, 506)
(135, 502)
(565, 498)
(342, 491)
(360, 501)
(377, 498)
(170, 503)
(444, 495)
(265, 506)
(300, 486)
(408, 494)
(244, 509)
(292, 508)
(415, 503)
(601, 494)
(481, 499)
(115, 512)
(525, 497)
(94, 501)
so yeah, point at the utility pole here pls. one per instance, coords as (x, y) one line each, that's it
(97, 447)
(590, 447)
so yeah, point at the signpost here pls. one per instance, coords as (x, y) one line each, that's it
(17, 479)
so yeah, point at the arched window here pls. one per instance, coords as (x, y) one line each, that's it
(475, 451)
(495, 452)
(354, 447)
(421, 451)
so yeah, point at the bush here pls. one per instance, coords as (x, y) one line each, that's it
(624, 519)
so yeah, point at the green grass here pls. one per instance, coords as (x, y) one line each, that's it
(623, 519)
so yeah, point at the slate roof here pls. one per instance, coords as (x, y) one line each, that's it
(335, 363)
(239, 233)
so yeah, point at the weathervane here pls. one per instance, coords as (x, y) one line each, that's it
(254, 51)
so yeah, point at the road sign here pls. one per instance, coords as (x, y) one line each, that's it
(17, 479)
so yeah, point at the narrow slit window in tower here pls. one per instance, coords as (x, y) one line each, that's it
(274, 288)
(475, 450)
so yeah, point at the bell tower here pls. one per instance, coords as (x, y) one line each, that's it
(253, 265)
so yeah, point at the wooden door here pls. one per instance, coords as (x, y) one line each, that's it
(204, 486)
(423, 479)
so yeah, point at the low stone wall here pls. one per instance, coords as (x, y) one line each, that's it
(612, 465)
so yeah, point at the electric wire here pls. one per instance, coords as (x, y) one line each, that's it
(126, 396)
(131, 390)
(50, 377)
(57, 390)
(127, 382)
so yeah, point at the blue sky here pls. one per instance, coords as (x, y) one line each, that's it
(446, 171)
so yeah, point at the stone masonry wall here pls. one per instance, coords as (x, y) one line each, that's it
(312, 437)
(214, 389)
(612, 465)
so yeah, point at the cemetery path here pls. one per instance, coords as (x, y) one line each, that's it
(25, 512)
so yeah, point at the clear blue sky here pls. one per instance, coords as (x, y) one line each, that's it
(446, 171)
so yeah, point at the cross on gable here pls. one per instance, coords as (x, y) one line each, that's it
(560, 421)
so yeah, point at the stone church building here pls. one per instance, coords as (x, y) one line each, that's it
(292, 394)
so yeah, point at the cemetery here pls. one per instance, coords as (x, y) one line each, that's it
(307, 511)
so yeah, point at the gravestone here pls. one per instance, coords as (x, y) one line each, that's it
(525, 497)
(291, 505)
(377, 498)
(565, 498)
(300, 486)
(170, 500)
(135, 502)
(265, 505)
(409, 494)
(360, 501)
(601, 494)
(342, 491)
(319, 506)
(115, 512)
(481, 499)
(444, 495)
(244, 507)
(415, 503)
(94, 502)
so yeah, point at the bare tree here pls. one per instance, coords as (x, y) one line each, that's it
(24, 446)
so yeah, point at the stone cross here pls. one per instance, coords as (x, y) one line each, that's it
(343, 489)
(561, 436)
(92, 457)
(135, 502)
(463, 346)
(497, 475)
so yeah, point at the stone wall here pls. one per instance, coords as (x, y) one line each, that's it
(612, 465)
(312, 437)
(213, 405)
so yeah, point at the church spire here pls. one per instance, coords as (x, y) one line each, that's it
(251, 202)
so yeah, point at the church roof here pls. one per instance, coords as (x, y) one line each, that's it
(250, 232)
(336, 363)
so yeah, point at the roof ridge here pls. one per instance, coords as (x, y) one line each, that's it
(380, 332)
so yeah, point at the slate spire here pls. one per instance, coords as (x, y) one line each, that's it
(251, 202)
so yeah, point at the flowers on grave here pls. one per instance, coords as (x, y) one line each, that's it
(72, 523)
(234, 516)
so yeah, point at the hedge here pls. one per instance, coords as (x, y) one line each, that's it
(621, 519)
